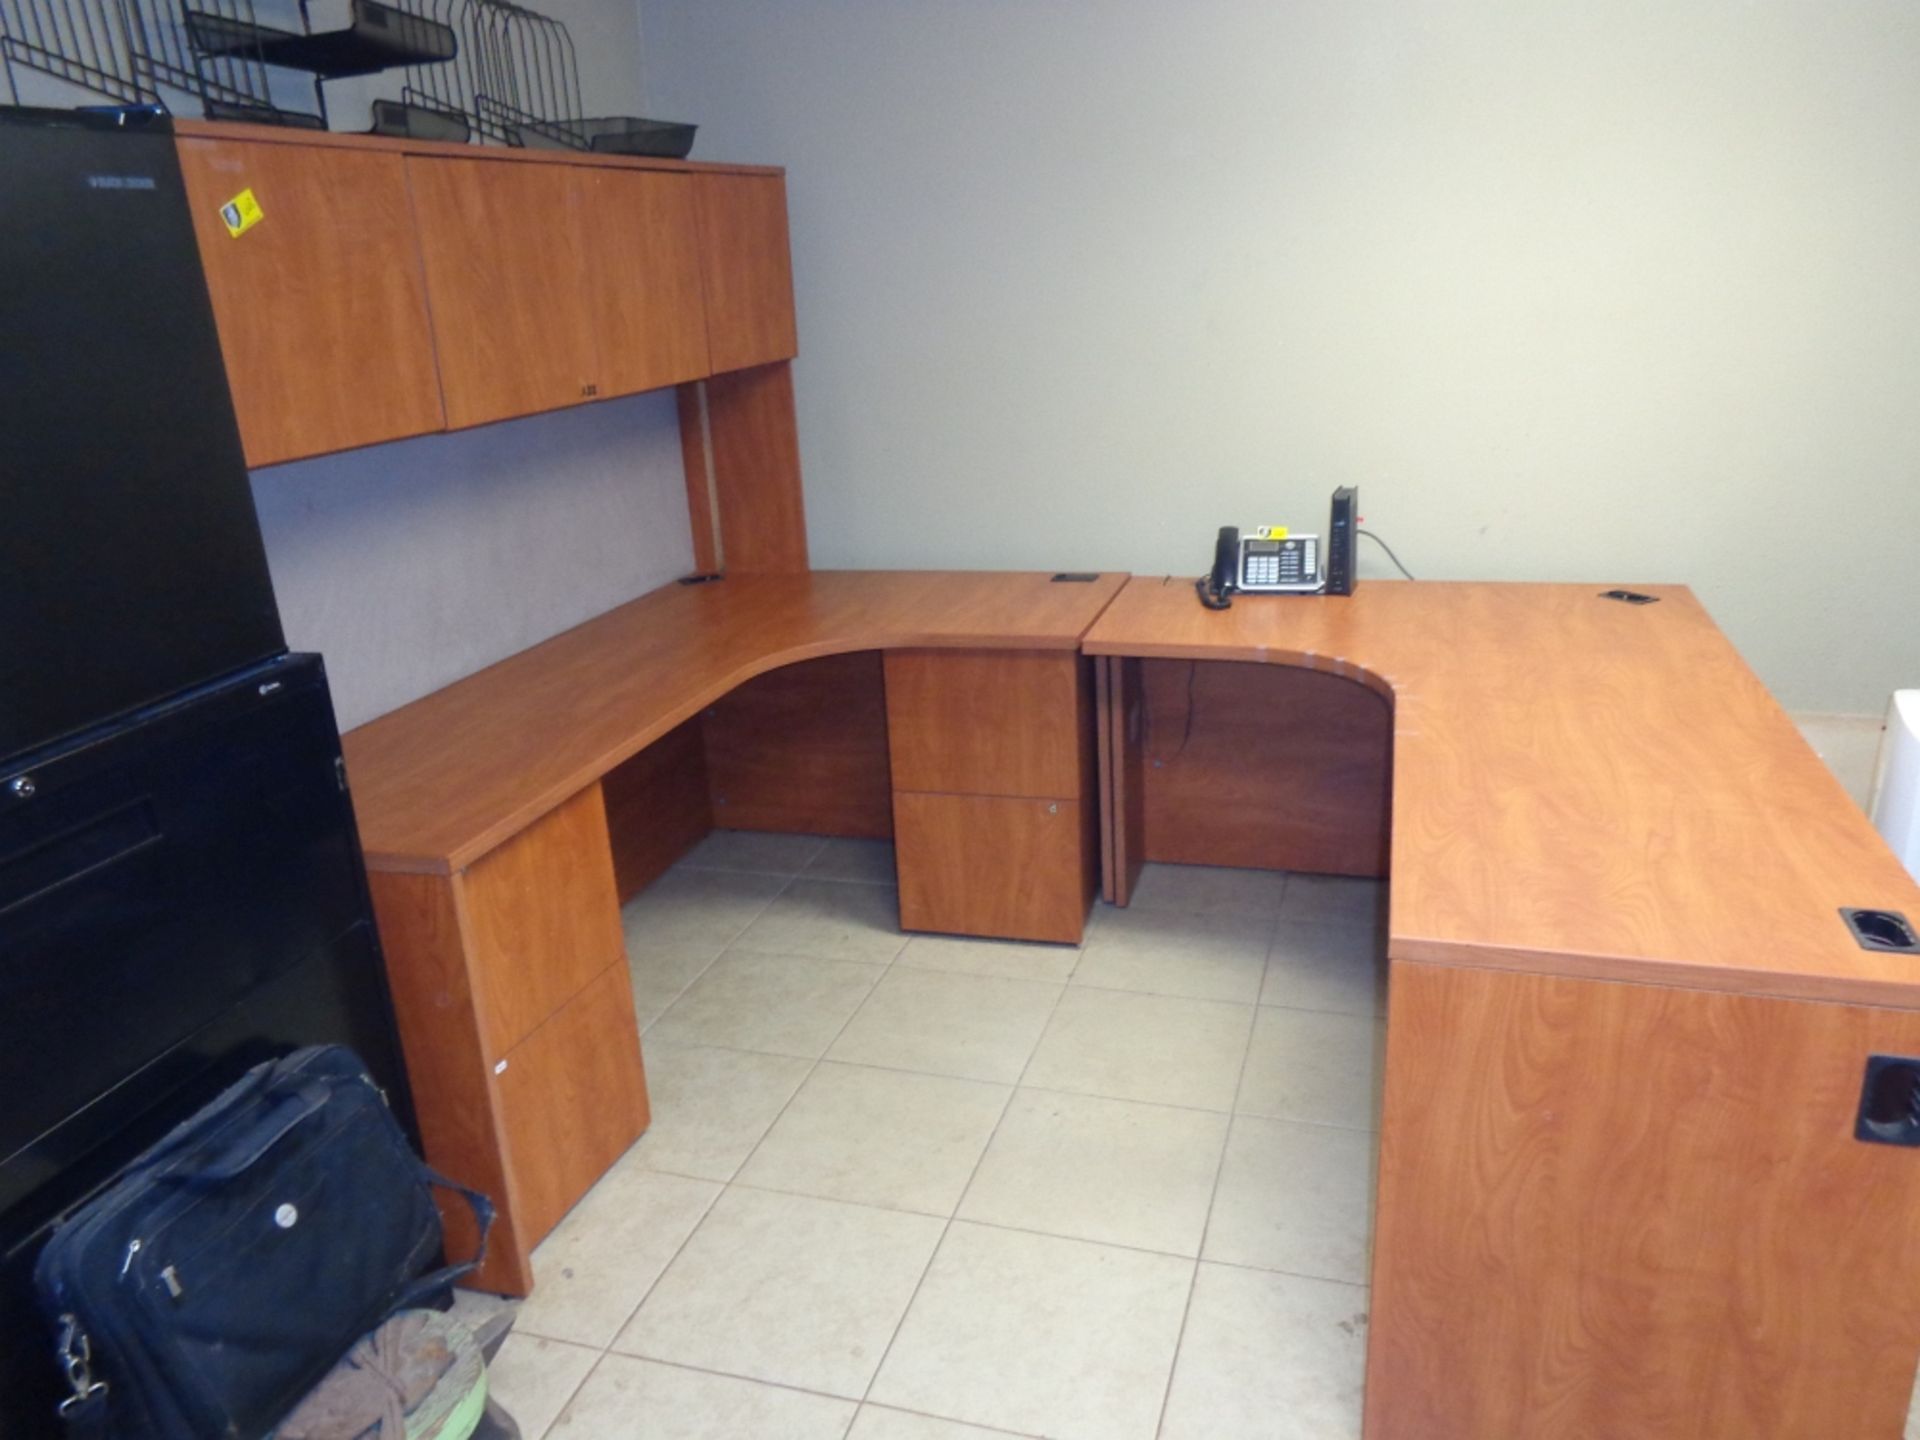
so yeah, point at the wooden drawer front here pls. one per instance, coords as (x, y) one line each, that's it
(321, 305)
(748, 273)
(571, 1098)
(544, 920)
(991, 865)
(987, 722)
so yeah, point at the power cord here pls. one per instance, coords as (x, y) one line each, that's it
(1390, 555)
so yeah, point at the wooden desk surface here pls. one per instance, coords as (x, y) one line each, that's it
(1581, 787)
(440, 782)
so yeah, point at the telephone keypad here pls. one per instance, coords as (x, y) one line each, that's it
(1293, 562)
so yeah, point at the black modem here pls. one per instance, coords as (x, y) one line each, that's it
(1342, 535)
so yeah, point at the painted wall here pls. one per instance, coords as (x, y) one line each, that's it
(412, 564)
(1612, 293)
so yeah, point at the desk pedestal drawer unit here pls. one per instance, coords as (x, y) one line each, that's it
(517, 1017)
(995, 819)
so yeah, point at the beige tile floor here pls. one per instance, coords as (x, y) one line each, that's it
(913, 1188)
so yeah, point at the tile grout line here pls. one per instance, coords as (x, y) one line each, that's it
(1213, 1198)
(1023, 1085)
(790, 881)
(572, 1395)
(728, 1184)
(960, 1200)
(786, 1385)
(816, 1061)
(725, 945)
(707, 1209)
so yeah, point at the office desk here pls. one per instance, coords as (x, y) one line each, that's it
(485, 829)
(1619, 1193)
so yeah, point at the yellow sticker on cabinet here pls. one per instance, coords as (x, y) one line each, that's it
(241, 213)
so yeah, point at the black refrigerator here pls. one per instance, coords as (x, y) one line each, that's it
(181, 888)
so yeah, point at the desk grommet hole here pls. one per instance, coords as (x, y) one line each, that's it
(1883, 930)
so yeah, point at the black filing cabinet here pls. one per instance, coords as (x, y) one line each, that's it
(181, 896)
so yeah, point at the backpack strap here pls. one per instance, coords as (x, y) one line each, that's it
(431, 1285)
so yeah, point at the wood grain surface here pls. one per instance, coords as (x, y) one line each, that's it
(440, 1020)
(572, 1097)
(506, 264)
(1638, 1213)
(749, 274)
(987, 723)
(438, 783)
(755, 454)
(1268, 767)
(803, 748)
(690, 406)
(994, 865)
(543, 919)
(322, 306)
(657, 806)
(1579, 786)
(643, 273)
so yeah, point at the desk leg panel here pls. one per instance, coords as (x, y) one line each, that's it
(422, 932)
(1127, 782)
(1636, 1212)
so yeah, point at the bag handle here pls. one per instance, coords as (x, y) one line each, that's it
(166, 1154)
(247, 1149)
(427, 1286)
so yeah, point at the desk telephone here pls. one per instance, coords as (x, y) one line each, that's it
(1272, 562)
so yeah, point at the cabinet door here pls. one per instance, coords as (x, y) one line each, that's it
(749, 275)
(321, 306)
(992, 865)
(643, 243)
(505, 260)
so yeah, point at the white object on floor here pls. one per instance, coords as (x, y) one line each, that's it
(1896, 782)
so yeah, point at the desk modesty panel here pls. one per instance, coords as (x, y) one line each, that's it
(440, 782)
(1580, 786)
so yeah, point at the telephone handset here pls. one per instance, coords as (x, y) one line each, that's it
(1272, 562)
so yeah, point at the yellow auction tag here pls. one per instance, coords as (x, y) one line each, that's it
(241, 213)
